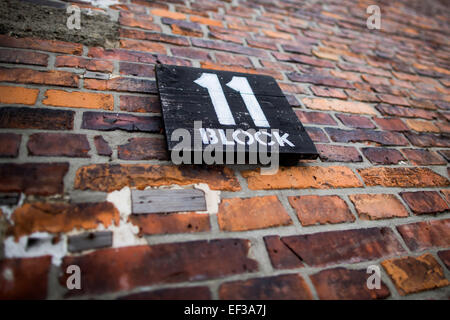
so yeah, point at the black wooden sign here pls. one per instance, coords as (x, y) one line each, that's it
(228, 113)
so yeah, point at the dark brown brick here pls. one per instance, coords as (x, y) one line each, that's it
(420, 157)
(391, 124)
(23, 57)
(359, 135)
(347, 246)
(33, 178)
(383, 155)
(406, 112)
(43, 45)
(143, 149)
(428, 140)
(9, 145)
(313, 210)
(36, 118)
(445, 257)
(317, 134)
(315, 118)
(425, 202)
(289, 287)
(355, 121)
(58, 144)
(280, 255)
(163, 263)
(297, 49)
(140, 104)
(102, 146)
(346, 284)
(332, 153)
(136, 69)
(319, 80)
(231, 47)
(120, 121)
(186, 293)
(423, 235)
(24, 278)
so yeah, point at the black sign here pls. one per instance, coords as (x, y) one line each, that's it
(229, 113)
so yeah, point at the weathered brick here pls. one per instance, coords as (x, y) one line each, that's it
(33, 178)
(346, 284)
(303, 178)
(445, 257)
(154, 36)
(122, 55)
(296, 49)
(276, 34)
(424, 202)
(355, 121)
(43, 45)
(421, 125)
(62, 217)
(398, 111)
(313, 210)
(122, 84)
(171, 223)
(237, 214)
(24, 278)
(142, 45)
(132, 20)
(88, 64)
(36, 118)
(317, 134)
(18, 95)
(280, 255)
(402, 177)
(163, 263)
(102, 146)
(421, 157)
(77, 99)
(383, 155)
(58, 144)
(331, 153)
(143, 149)
(423, 235)
(391, 124)
(23, 57)
(428, 140)
(119, 121)
(319, 80)
(328, 92)
(57, 78)
(378, 206)
(338, 105)
(283, 287)
(315, 118)
(347, 246)
(136, 69)
(185, 293)
(216, 45)
(359, 135)
(308, 60)
(191, 53)
(9, 145)
(415, 274)
(140, 104)
(168, 14)
(359, 95)
(109, 177)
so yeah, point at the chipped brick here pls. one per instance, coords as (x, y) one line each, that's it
(58, 144)
(331, 153)
(424, 202)
(423, 235)
(143, 149)
(378, 206)
(36, 118)
(383, 155)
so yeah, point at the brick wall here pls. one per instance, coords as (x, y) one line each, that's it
(80, 123)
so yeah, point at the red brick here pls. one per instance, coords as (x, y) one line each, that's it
(120, 121)
(143, 149)
(283, 287)
(35, 118)
(355, 121)
(58, 144)
(303, 59)
(88, 64)
(209, 22)
(421, 157)
(43, 45)
(102, 146)
(378, 206)
(319, 80)
(446, 194)
(141, 45)
(331, 153)
(303, 178)
(415, 274)
(110, 177)
(402, 177)
(140, 104)
(422, 125)
(171, 223)
(191, 53)
(398, 111)
(122, 84)
(168, 14)
(237, 214)
(386, 138)
(383, 155)
(424, 202)
(122, 55)
(77, 99)
(24, 278)
(262, 44)
(230, 47)
(391, 124)
(313, 210)
(364, 69)
(338, 105)
(111, 270)
(186, 293)
(276, 34)
(280, 255)
(328, 92)
(347, 246)
(346, 284)
(154, 36)
(365, 96)
(9, 145)
(57, 78)
(317, 134)
(18, 95)
(137, 21)
(420, 236)
(427, 140)
(33, 178)
(375, 80)
(315, 118)
(445, 257)
(23, 57)
(138, 70)
(62, 217)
